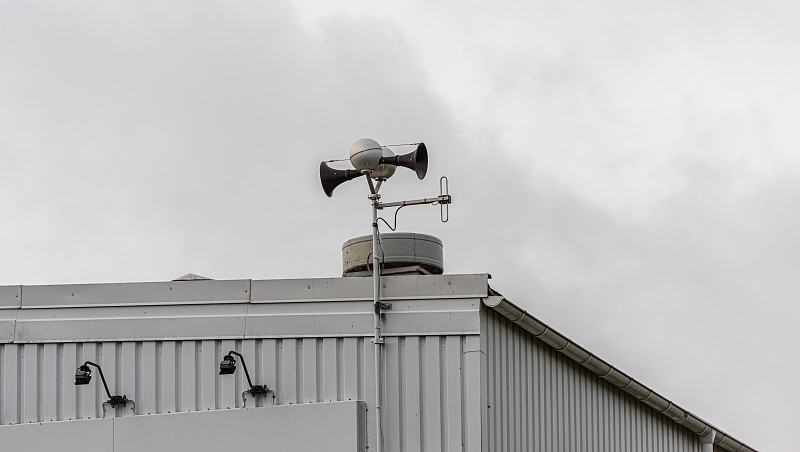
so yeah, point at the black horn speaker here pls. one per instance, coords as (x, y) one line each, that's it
(332, 178)
(416, 161)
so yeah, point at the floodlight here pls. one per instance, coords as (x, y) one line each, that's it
(83, 375)
(228, 366)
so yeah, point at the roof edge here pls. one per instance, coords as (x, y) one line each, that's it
(606, 371)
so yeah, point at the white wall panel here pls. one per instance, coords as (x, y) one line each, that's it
(427, 384)
(335, 427)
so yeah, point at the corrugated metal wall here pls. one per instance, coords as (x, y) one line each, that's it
(539, 400)
(432, 383)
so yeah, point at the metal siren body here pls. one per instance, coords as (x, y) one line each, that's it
(416, 161)
(332, 178)
(368, 156)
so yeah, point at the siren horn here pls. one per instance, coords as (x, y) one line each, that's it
(332, 178)
(416, 161)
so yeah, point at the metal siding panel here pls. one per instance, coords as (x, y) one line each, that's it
(29, 383)
(410, 357)
(482, 375)
(168, 377)
(146, 373)
(8, 377)
(539, 399)
(187, 400)
(289, 375)
(50, 390)
(433, 393)
(330, 366)
(69, 358)
(472, 393)
(489, 384)
(352, 371)
(205, 364)
(270, 366)
(513, 393)
(392, 396)
(309, 363)
(504, 383)
(452, 381)
(433, 383)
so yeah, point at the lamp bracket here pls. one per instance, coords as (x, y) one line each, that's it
(257, 390)
(118, 400)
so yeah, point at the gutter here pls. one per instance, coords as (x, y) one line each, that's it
(707, 432)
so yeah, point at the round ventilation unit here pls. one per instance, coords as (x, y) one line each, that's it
(403, 253)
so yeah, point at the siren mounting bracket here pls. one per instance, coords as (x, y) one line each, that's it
(444, 199)
(374, 161)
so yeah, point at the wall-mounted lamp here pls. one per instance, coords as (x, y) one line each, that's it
(83, 375)
(228, 366)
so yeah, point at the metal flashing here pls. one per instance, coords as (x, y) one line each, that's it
(10, 297)
(130, 323)
(396, 287)
(136, 294)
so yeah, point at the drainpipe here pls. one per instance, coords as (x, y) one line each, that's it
(707, 441)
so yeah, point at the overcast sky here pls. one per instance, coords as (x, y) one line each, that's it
(626, 171)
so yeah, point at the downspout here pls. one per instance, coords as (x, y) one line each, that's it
(707, 441)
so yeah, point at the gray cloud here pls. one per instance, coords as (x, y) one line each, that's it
(649, 216)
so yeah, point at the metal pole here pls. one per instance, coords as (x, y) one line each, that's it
(378, 341)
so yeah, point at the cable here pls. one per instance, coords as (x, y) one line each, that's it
(369, 259)
(395, 219)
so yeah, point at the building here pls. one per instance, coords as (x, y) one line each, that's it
(464, 369)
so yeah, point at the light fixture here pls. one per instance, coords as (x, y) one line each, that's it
(83, 375)
(228, 366)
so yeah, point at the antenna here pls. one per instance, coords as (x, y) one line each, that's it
(379, 163)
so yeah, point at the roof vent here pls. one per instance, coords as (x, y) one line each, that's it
(190, 277)
(403, 253)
